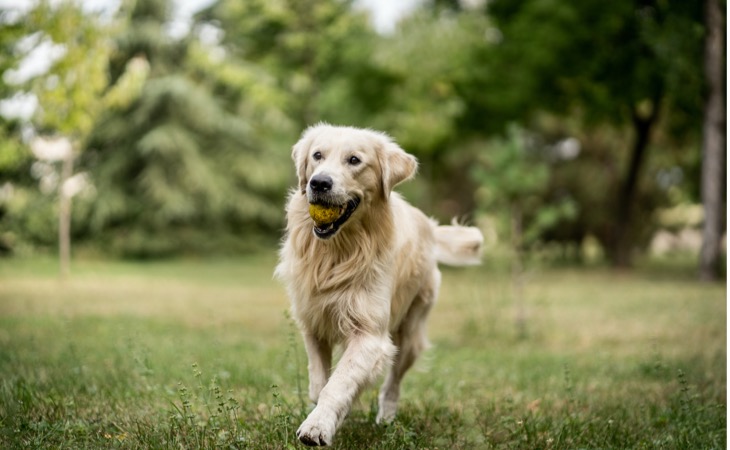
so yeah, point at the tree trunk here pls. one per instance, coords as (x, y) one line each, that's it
(713, 143)
(622, 246)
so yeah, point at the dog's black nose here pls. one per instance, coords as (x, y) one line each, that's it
(321, 183)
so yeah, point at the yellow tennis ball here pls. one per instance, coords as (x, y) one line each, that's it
(324, 214)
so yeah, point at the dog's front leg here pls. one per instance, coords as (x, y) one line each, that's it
(364, 358)
(319, 354)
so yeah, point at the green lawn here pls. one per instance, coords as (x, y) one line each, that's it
(201, 354)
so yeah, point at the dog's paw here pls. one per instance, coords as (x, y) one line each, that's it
(311, 441)
(315, 431)
(386, 414)
(387, 407)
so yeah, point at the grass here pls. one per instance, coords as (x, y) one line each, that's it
(201, 354)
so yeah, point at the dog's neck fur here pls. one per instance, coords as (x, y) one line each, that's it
(331, 275)
(347, 257)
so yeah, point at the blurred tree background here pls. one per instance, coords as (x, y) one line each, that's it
(577, 125)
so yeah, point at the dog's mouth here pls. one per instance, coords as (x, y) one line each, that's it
(329, 218)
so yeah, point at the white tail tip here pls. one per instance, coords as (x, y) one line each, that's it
(458, 245)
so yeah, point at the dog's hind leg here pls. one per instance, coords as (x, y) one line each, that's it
(411, 340)
(319, 353)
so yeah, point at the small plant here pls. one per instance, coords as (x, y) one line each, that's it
(282, 419)
(204, 418)
(293, 354)
(514, 175)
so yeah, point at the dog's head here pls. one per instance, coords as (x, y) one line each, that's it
(346, 169)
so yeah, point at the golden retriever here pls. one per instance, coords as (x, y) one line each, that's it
(368, 278)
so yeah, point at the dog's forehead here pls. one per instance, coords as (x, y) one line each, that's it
(346, 139)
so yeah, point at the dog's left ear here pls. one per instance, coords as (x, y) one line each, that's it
(397, 165)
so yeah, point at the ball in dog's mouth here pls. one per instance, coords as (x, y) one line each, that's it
(329, 218)
(325, 214)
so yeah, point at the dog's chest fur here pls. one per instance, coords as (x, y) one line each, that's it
(346, 285)
(342, 285)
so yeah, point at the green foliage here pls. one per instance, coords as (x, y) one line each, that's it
(14, 157)
(15, 160)
(316, 51)
(514, 175)
(143, 34)
(564, 55)
(69, 97)
(188, 139)
(515, 170)
(560, 60)
(69, 93)
(425, 106)
(179, 161)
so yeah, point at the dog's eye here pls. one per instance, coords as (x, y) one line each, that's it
(317, 156)
(354, 160)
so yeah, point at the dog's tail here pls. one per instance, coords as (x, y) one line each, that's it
(458, 245)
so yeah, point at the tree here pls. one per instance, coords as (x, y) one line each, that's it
(620, 64)
(714, 141)
(424, 108)
(176, 165)
(423, 104)
(514, 176)
(70, 96)
(68, 92)
(318, 52)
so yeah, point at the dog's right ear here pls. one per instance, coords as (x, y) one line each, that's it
(398, 166)
(300, 155)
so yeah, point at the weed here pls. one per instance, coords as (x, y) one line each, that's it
(204, 418)
(293, 353)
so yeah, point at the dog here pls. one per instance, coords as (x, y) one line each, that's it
(365, 279)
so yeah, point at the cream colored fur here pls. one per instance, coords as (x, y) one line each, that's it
(369, 287)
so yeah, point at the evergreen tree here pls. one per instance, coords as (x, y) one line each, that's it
(176, 168)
